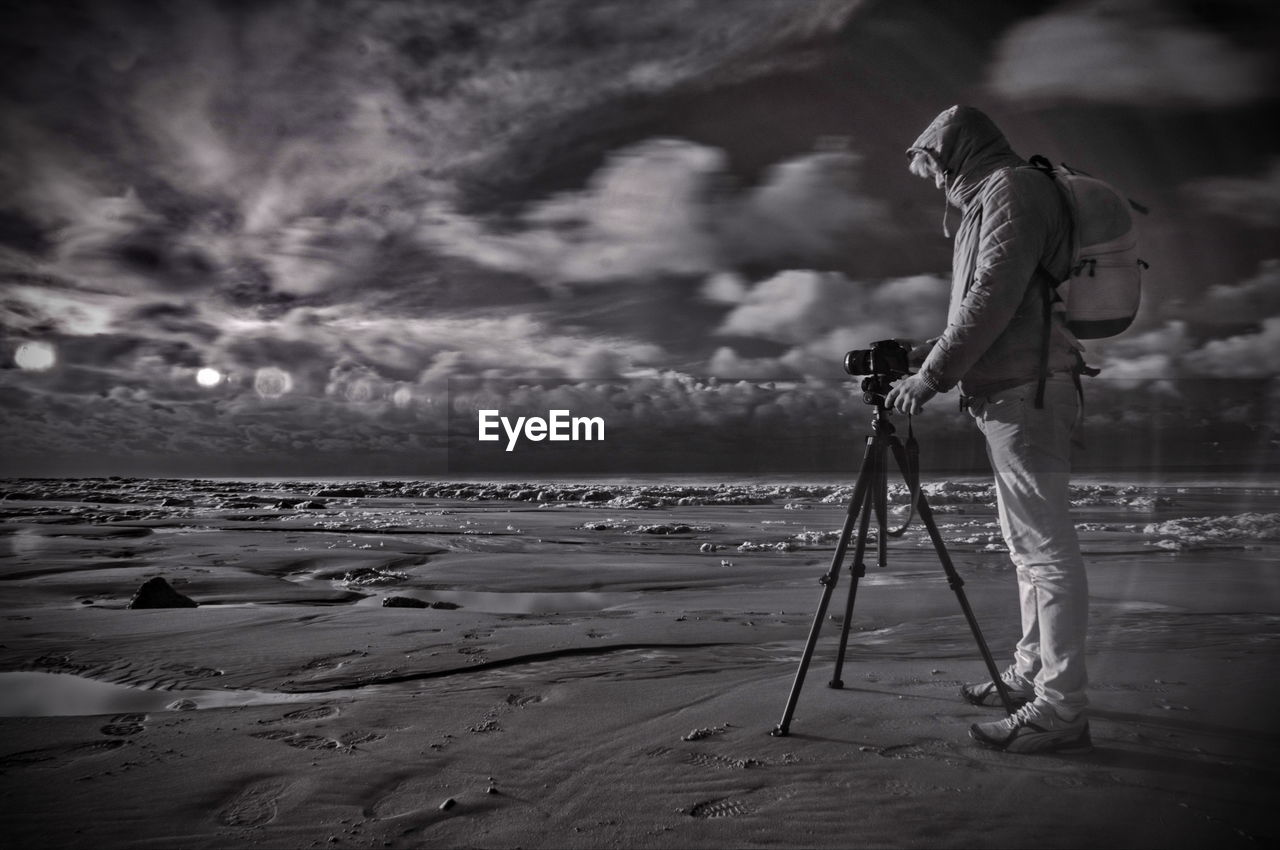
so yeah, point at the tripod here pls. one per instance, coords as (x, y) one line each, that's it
(870, 495)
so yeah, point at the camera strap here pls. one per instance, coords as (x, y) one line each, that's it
(911, 474)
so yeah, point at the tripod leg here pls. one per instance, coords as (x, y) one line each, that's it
(956, 583)
(859, 567)
(829, 585)
(882, 520)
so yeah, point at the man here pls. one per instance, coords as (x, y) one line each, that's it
(1012, 236)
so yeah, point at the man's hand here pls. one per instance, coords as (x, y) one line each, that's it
(909, 395)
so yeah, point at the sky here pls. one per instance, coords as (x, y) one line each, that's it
(292, 237)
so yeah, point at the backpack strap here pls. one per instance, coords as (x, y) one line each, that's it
(1081, 368)
(1041, 164)
(1050, 293)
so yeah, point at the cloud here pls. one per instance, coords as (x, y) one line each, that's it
(1127, 52)
(1252, 355)
(821, 316)
(1187, 347)
(37, 310)
(725, 288)
(1172, 338)
(725, 362)
(1149, 362)
(792, 305)
(1190, 347)
(286, 154)
(327, 350)
(664, 207)
(315, 255)
(644, 213)
(1248, 301)
(806, 208)
(120, 245)
(170, 318)
(828, 313)
(1252, 200)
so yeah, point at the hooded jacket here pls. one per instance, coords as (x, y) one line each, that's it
(1015, 225)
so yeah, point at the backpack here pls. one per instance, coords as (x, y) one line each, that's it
(1104, 286)
(1102, 290)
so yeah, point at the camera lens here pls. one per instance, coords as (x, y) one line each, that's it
(858, 362)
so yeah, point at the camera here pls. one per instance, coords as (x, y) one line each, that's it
(887, 358)
(880, 365)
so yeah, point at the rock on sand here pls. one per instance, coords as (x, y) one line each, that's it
(158, 593)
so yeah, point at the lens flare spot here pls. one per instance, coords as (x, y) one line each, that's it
(360, 391)
(402, 397)
(208, 377)
(270, 382)
(35, 356)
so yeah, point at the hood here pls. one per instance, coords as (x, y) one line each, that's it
(967, 146)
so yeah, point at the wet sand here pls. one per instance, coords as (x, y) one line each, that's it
(599, 665)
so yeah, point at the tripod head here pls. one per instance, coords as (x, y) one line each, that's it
(874, 389)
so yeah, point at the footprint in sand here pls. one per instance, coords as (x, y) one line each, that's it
(57, 755)
(723, 808)
(311, 742)
(297, 740)
(319, 712)
(329, 662)
(123, 725)
(273, 735)
(711, 760)
(918, 749)
(347, 740)
(901, 751)
(255, 805)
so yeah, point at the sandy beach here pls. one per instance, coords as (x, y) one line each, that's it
(600, 665)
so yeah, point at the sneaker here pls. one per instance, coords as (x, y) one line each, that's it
(985, 693)
(1034, 729)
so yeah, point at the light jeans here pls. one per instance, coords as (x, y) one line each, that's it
(1030, 452)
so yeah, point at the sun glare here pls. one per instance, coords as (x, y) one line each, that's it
(35, 356)
(207, 377)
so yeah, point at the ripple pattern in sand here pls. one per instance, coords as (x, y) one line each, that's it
(56, 756)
